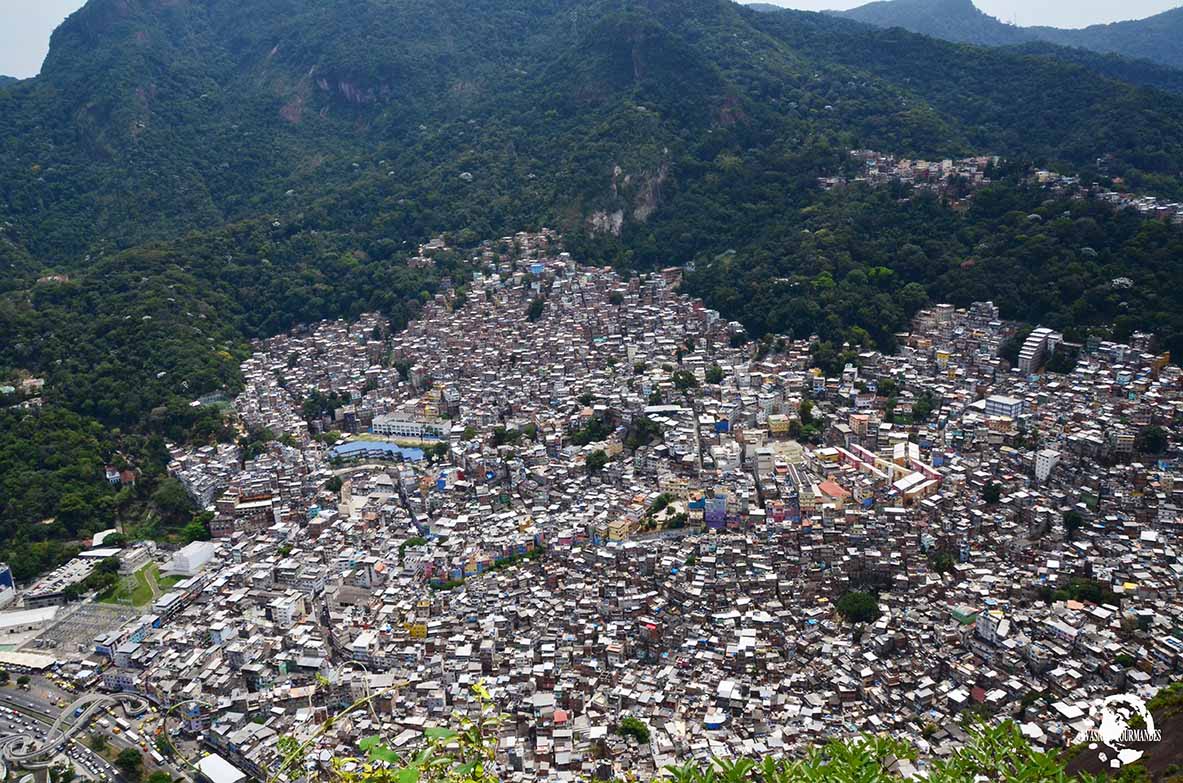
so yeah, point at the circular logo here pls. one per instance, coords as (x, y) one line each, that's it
(1119, 722)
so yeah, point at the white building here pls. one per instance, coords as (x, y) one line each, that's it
(216, 769)
(192, 558)
(395, 426)
(999, 405)
(26, 620)
(1036, 348)
(1045, 461)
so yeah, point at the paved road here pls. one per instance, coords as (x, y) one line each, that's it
(27, 710)
(31, 704)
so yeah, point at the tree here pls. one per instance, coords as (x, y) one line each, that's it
(596, 461)
(97, 742)
(172, 501)
(633, 727)
(922, 407)
(941, 562)
(159, 776)
(1009, 350)
(992, 493)
(685, 380)
(858, 607)
(334, 484)
(130, 762)
(1152, 440)
(714, 374)
(535, 310)
(1063, 361)
(1073, 521)
(196, 530)
(3, 676)
(22, 680)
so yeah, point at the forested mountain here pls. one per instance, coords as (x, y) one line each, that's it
(1143, 73)
(1157, 38)
(188, 115)
(183, 176)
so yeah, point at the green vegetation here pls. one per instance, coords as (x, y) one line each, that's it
(198, 528)
(1155, 38)
(1081, 589)
(413, 541)
(504, 437)
(131, 763)
(941, 562)
(685, 381)
(596, 430)
(498, 565)
(641, 433)
(137, 590)
(1152, 440)
(596, 461)
(659, 504)
(149, 235)
(858, 607)
(104, 577)
(1168, 702)
(463, 754)
(1073, 521)
(633, 727)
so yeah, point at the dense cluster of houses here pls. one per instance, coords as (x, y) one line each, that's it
(593, 495)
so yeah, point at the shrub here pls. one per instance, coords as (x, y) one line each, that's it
(633, 727)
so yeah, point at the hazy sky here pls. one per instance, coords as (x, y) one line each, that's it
(25, 25)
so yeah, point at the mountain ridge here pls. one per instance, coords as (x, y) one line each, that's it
(262, 126)
(1158, 38)
(185, 176)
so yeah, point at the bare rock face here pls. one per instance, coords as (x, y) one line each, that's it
(603, 222)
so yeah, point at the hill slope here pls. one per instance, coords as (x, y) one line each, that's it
(1158, 38)
(682, 126)
(187, 174)
(1142, 73)
(151, 118)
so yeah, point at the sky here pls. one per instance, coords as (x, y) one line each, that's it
(25, 25)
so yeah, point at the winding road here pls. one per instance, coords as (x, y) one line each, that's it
(29, 750)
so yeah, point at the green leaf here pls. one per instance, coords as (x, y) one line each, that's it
(439, 733)
(368, 742)
(383, 753)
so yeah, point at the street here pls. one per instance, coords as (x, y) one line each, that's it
(34, 711)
